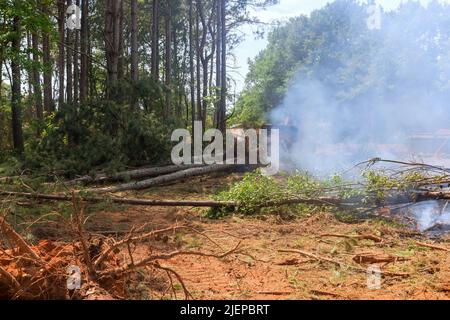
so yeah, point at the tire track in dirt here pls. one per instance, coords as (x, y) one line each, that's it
(215, 279)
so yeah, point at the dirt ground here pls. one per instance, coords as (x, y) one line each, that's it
(260, 270)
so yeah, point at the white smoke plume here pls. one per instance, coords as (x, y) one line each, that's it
(393, 103)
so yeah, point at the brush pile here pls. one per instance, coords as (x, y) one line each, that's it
(99, 265)
(42, 271)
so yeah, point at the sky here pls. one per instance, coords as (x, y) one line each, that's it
(286, 9)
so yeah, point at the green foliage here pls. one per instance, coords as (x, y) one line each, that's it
(304, 185)
(255, 190)
(248, 111)
(81, 139)
(145, 140)
(378, 184)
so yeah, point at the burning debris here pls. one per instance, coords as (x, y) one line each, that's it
(430, 217)
(411, 193)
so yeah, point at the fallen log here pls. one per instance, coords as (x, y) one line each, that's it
(172, 177)
(168, 203)
(131, 174)
(356, 237)
(127, 201)
(320, 201)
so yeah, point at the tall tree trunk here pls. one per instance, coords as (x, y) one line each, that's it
(218, 63)
(112, 42)
(69, 54)
(205, 64)
(1, 76)
(16, 90)
(121, 63)
(191, 62)
(134, 70)
(204, 58)
(223, 91)
(168, 71)
(76, 66)
(197, 65)
(61, 51)
(155, 40)
(76, 61)
(29, 111)
(36, 77)
(176, 66)
(92, 80)
(47, 62)
(212, 31)
(134, 41)
(84, 38)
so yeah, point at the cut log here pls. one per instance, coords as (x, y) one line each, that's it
(131, 174)
(137, 202)
(167, 203)
(320, 201)
(176, 176)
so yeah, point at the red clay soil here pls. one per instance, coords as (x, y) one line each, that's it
(260, 270)
(38, 281)
(47, 279)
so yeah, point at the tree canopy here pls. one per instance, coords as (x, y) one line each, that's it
(105, 83)
(405, 62)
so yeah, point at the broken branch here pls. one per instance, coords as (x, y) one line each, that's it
(357, 237)
(168, 178)
(13, 236)
(432, 246)
(167, 256)
(341, 265)
(131, 174)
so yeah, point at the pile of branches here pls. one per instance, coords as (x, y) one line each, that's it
(41, 271)
(402, 182)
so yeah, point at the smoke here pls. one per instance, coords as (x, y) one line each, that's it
(430, 214)
(369, 93)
